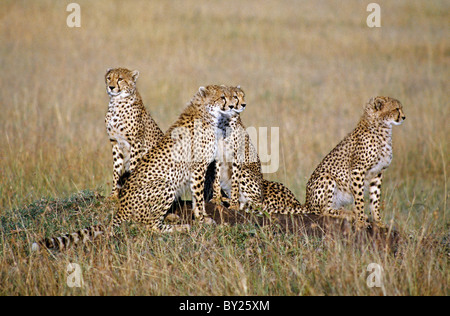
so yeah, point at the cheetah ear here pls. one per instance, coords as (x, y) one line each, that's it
(376, 103)
(135, 75)
(238, 86)
(109, 69)
(202, 91)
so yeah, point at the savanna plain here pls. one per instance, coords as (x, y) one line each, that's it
(307, 67)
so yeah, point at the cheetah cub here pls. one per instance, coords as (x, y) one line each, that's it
(131, 129)
(356, 164)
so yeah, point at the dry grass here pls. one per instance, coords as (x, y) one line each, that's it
(306, 66)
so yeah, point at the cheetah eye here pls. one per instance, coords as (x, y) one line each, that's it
(119, 80)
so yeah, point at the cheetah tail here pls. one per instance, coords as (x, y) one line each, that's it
(66, 241)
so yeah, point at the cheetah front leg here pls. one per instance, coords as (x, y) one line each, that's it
(217, 193)
(357, 186)
(236, 175)
(118, 168)
(121, 159)
(375, 193)
(251, 192)
(198, 175)
(238, 149)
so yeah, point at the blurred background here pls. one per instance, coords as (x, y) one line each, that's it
(307, 67)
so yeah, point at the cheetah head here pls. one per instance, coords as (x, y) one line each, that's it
(120, 82)
(386, 109)
(221, 100)
(238, 99)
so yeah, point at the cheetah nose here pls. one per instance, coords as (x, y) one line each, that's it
(111, 88)
(403, 117)
(231, 106)
(243, 105)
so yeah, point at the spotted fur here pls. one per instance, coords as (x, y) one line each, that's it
(356, 164)
(68, 240)
(238, 173)
(237, 167)
(180, 159)
(278, 199)
(132, 131)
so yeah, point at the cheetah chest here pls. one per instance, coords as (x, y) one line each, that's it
(383, 159)
(114, 122)
(115, 127)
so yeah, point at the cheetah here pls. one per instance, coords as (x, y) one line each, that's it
(278, 199)
(132, 131)
(236, 161)
(179, 159)
(238, 173)
(356, 164)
